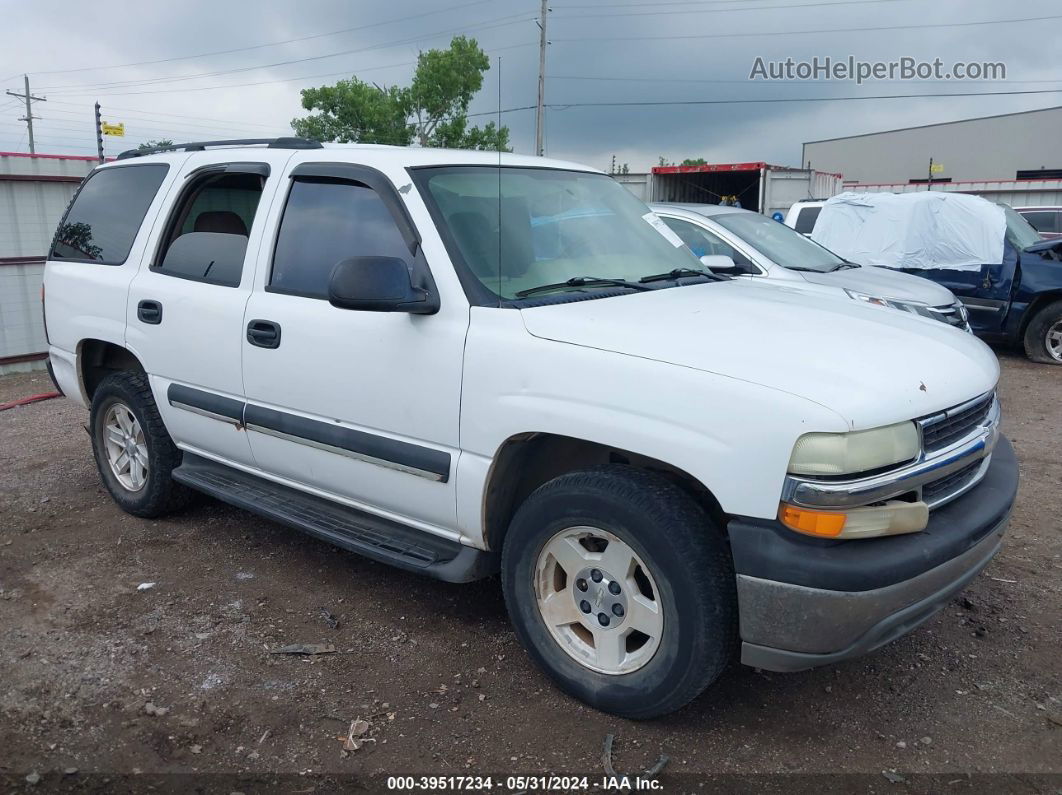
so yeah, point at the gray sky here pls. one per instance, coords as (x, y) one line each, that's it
(638, 50)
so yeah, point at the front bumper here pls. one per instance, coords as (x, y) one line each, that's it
(806, 601)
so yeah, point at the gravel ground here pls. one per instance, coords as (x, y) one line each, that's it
(106, 687)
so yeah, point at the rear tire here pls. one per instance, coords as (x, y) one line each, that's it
(643, 555)
(134, 453)
(1043, 336)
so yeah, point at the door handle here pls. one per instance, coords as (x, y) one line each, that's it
(149, 312)
(263, 333)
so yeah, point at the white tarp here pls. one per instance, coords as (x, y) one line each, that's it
(913, 230)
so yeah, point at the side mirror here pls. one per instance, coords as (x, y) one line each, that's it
(378, 284)
(720, 263)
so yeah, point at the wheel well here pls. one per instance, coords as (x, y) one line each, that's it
(98, 359)
(525, 462)
(1034, 308)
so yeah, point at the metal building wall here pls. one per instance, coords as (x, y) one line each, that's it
(34, 193)
(989, 148)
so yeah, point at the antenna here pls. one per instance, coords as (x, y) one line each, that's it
(497, 145)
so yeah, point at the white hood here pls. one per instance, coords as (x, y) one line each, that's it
(872, 365)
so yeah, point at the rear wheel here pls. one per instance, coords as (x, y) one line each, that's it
(1043, 337)
(134, 453)
(621, 590)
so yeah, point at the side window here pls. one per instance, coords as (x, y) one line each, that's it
(326, 221)
(105, 216)
(206, 237)
(1041, 220)
(806, 218)
(701, 242)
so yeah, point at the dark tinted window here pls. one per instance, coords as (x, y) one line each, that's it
(806, 219)
(1042, 220)
(206, 238)
(103, 220)
(326, 221)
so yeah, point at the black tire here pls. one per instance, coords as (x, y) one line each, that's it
(160, 494)
(1036, 333)
(687, 556)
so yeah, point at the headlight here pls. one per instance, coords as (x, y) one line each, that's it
(914, 307)
(858, 451)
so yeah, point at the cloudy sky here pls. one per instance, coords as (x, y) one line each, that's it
(199, 69)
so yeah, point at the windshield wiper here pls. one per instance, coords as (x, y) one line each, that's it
(582, 281)
(678, 273)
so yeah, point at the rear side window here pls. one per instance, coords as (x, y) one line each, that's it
(806, 218)
(327, 221)
(1042, 220)
(206, 239)
(106, 214)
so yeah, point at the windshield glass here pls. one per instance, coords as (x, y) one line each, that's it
(1019, 231)
(778, 242)
(554, 225)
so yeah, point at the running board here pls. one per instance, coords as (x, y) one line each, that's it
(372, 536)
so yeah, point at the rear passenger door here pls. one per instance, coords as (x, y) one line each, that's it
(358, 406)
(186, 303)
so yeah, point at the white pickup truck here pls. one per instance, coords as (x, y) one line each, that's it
(462, 364)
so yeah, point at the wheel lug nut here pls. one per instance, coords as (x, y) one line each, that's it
(596, 575)
(614, 588)
(584, 606)
(602, 619)
(617, 610)
(581, 584)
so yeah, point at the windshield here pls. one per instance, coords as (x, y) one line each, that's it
(554, 226)
(1020, 233)
(779, 243)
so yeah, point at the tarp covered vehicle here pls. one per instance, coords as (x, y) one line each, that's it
(987, 254)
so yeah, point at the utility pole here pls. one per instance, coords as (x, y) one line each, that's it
(929, 179)
(99, 133)
(540, 111)
(29, 117)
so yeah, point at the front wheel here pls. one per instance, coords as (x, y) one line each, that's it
(1043, 337)
(621, 589)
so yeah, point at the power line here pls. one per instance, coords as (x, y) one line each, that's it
(752, 34)
(754, 82)
(657, 12)
(261, 82)
(768, 100)
(261, 46)
(488, 24)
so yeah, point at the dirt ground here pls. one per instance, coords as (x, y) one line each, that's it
(106, 687)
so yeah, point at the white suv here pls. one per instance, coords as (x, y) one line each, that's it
(461, 364)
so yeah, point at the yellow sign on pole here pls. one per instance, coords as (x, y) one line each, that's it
(936, 168)
(117, 130)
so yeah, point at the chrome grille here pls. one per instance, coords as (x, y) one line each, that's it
(941, 430)
(938, 490)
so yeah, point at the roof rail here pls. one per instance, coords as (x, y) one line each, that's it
(199, 146)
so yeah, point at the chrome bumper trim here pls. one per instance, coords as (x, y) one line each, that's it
(857, 492)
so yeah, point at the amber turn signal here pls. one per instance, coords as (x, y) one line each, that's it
(812, 523)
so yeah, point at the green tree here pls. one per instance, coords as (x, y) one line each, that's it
(689, 161)
(154, 144)
(432, 110)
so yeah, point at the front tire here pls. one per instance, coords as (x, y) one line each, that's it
(621, 590)
(134, 453)
(1043, 337)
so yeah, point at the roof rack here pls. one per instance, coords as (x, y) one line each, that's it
(199, 146)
